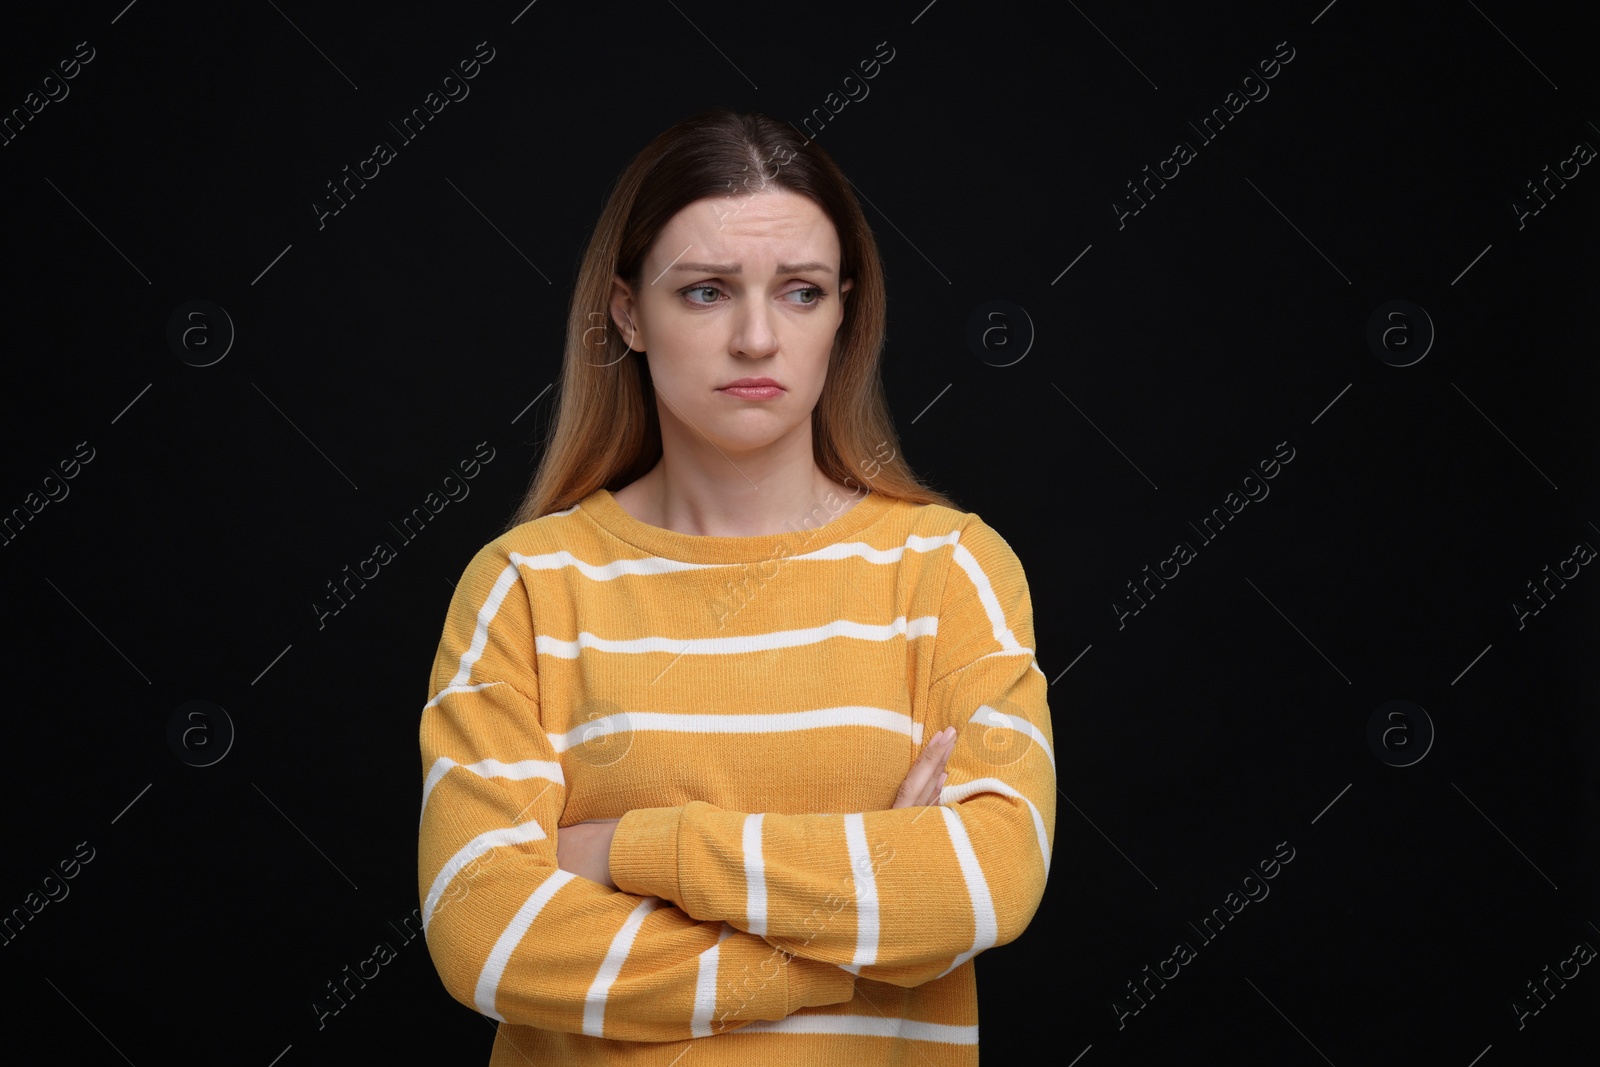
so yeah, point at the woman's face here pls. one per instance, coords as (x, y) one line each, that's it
(737, 287)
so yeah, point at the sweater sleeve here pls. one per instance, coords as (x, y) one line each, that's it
(510, 934)
(902, 895)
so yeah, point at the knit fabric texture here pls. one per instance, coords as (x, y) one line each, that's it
(748, 708)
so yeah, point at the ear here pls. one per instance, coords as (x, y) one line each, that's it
(624, 313)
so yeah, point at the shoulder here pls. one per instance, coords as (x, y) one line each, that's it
(983, 570)
(972, 559)
(965, 531)
(530, 543)
(925, 520)
(985, 607)
(987, 544)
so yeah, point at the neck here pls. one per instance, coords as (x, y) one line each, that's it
(708, 492)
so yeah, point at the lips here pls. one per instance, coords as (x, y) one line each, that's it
(757, 389)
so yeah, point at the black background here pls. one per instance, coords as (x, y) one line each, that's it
(1182, 346)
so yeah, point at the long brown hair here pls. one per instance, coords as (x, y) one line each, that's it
(606, 430)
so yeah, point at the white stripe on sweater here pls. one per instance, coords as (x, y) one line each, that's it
(846, 549)
(650, 565)
(659, 565)
(607, 726)
(484, 842)
(594, 1004)
(991, 605)
(705, 987)
(866, 885)
(955, 794)
(926, 626)
(486, 614)
(755, 877)
(483, 996)
(447, 690)
(986, 926)
(491, 768)
(866, 1026)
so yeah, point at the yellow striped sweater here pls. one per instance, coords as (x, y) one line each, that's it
(748, 707)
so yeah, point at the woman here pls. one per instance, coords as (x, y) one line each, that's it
(736, 744)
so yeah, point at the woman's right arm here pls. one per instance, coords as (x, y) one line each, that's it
(513, 936)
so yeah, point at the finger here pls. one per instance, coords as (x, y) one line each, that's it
(915, 787)
(921, 781)
(937, 750)
(922, 784)
(927, 762)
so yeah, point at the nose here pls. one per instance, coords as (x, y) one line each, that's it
(754, 333)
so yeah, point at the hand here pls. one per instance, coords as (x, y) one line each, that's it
(927, 776)
(584, 849)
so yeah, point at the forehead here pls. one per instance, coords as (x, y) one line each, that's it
(766, 226)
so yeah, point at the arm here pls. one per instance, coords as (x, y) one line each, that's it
(905, 895)
(511, 935)
(584, 848)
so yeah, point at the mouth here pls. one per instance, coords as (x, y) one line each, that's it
(753, 389)
(764, 391)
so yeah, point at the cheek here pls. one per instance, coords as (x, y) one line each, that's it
(816, 378)
(697, 334)
(681, 343)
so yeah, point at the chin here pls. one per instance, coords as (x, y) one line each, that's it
(731, 439)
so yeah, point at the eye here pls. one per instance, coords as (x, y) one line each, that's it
(817, 293)
(702, 289)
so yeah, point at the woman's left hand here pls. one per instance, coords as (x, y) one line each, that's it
(584, 849)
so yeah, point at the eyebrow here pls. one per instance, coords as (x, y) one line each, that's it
(734, 268)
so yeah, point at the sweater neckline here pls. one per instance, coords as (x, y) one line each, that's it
(602, 507)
